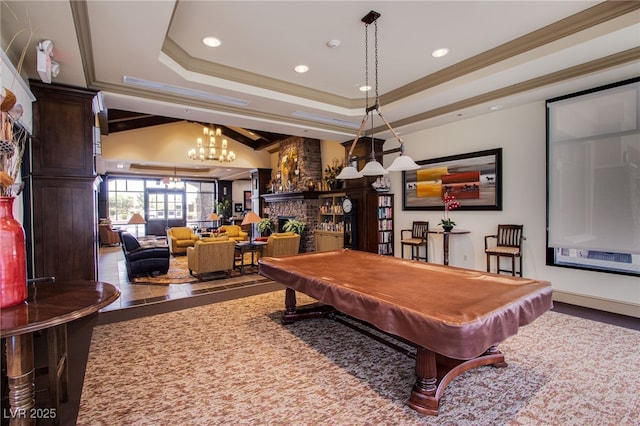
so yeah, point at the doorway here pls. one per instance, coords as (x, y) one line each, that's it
(166, 208)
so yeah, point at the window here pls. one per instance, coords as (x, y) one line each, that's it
(593, 185)
(127, 195)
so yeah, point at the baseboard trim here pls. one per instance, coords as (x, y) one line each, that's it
(602, 304)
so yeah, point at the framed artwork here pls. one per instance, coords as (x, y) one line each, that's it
(247, 200)
(237, 207)
(475, 179)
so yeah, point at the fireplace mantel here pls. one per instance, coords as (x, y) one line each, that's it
(291, 196)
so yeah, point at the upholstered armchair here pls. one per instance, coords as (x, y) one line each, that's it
(181, 237)
(143, 260)
(235, 233)
(209, 256)
(281, 244)
(108, 236)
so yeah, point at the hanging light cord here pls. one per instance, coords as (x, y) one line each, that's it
(376, 106)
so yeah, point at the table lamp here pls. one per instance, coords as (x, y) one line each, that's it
(214, 219)
(136, 220)
(249, 219)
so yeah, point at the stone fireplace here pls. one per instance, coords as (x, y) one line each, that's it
(299, 163)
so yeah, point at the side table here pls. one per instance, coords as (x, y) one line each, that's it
(445, 240)
(47, 305)
(243, 247)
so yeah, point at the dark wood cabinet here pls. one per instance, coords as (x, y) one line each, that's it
(260, 179)
(62, 183)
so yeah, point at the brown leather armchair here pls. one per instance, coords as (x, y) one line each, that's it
(209, 256)
(108, 236)
(181, 237)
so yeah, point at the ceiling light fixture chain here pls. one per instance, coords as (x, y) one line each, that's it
(373, 167)
(210, 152)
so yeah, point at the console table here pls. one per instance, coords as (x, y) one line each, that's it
(48, 305)
(445, 240)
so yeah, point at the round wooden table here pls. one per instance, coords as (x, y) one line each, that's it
(49, 304)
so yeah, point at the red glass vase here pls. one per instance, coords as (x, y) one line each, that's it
(13, 257)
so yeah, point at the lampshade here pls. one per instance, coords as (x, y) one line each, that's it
(250, 218)
(373, 168)
(214, 216)
(349, 172)
(402, 163)
(137, 219)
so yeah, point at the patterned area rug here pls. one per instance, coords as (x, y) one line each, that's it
(235, 363)
(178, 274)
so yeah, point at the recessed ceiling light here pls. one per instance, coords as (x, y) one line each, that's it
(439, 53)
(333, 43)
(211, 41)
(120, 166)
(365, 88)
(301, 69)
(495, 107)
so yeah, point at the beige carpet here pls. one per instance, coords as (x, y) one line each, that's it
(233, 363)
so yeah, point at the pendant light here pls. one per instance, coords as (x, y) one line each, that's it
(373, 167)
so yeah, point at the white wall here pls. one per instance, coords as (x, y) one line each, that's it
(10, 79)
(520, 132)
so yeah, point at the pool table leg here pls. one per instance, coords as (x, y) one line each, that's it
(427, 391)
(292, 313)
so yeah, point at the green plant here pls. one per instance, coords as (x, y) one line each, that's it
(294, 225)
(224, 208)
(332, 170)
(266, 224)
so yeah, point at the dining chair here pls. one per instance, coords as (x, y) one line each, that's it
(415, 238)
(508, 243)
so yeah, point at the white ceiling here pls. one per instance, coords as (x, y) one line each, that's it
(501, 53)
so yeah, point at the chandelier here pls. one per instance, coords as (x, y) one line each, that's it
(172, 181)
(373, 167)
(210, 151)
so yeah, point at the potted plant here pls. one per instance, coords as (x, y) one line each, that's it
(294, 225)
(450, 203)
(224, 208)
(331, 171)
(266, 226)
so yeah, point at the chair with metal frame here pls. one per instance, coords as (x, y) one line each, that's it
(508, 244)
(415, 238)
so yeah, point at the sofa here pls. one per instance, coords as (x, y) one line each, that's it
(148, 260)
(181, 237)
(235, 232)
(212, 255)
(281, 244)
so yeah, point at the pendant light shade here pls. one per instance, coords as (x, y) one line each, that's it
(349, 172)
(403, 163)
(373, 168)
